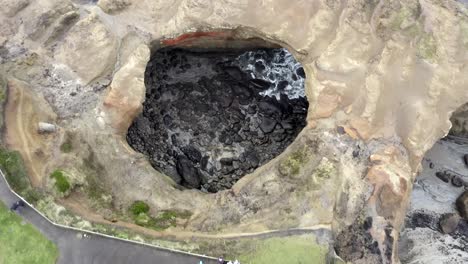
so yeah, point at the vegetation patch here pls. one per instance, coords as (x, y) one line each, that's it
(61, 181)
(292, 164)
(21, 242)
(67, 145)
(164, 220)
(139, 207)
(95, 190)
(427, 47)
(16, 175)
(12, 165)
(297, 249)
(325, 169)
(293, 250)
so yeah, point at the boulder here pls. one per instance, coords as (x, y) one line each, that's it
(462, 205)
(449, 222)
(192, 153)
(444, 176)
(457, 181)
(188, 172)
(267, 125)
(44, 128)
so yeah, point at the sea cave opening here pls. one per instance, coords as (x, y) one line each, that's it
(212, 115)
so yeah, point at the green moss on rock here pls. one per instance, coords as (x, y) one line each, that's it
(325, 169)
(292, 164)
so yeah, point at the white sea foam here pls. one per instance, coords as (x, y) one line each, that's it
(280, 66)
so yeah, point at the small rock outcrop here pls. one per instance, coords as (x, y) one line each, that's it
(449, 222)
(43, 128)
(462, 205)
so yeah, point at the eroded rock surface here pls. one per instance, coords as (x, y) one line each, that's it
(435, 231)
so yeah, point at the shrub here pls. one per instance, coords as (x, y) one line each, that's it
(33, 195)
(139, 207)
(66, 147)
(142, 219)
(61, 181)
(12, 165)
(165, 220)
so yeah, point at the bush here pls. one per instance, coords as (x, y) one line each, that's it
(33, 195)
(12, 165)
(139, 207)
(142, 219)
(165, 220)
(66, 147)
(61, 181)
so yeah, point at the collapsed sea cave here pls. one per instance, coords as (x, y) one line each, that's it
(213, 115)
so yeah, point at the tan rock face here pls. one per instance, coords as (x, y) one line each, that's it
(127, 90)
(89, 49)
(390, 73)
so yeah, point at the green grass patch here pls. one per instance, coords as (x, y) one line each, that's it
(291, 250)
(16, 175)
(22, 243)
(139, 207)
(61, 181)
(164, 220)
(12, 165)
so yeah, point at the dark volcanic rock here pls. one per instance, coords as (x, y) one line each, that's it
(267, 125)
(301, 72)
(444, 176)
(260, 84)
(205, 120)
(457, 181)
(449, 223)
(462, 205)
(192, 153)
(189, 173)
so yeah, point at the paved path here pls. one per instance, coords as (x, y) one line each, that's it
(95, 249)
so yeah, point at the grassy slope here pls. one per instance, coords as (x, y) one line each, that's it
(22, 243)
(291, 250)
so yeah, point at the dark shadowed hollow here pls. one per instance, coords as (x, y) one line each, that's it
(212, 116)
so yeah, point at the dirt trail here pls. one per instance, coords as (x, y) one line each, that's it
(22, 113)
(76, 206)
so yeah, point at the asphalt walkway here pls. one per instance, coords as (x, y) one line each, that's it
(75, 248)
